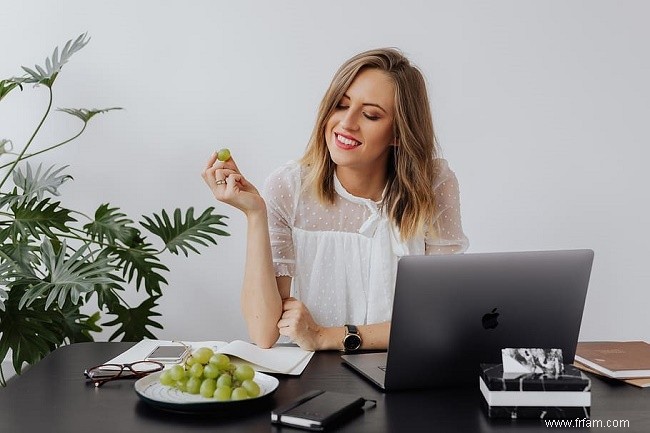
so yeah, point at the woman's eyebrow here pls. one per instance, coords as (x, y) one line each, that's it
(368, 104)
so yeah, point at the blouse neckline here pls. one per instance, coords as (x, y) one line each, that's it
(340, 189)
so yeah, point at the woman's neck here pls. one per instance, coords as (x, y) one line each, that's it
(368, 185)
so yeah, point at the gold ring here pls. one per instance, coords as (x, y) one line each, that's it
(220, 182)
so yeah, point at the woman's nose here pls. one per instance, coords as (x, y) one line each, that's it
(349, 121)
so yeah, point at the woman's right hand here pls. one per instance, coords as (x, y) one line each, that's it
(229, 186)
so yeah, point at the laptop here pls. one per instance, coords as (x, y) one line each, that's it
(453, 312)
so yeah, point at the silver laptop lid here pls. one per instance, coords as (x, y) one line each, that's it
(451, 313)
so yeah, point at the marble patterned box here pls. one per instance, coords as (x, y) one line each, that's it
(535, 395)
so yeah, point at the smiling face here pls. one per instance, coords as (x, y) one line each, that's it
(359, 133)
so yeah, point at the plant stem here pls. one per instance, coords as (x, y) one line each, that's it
(120, 298)
(38, 128)
(82, 214)
(24, 157)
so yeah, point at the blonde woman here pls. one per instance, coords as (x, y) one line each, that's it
(324, 239)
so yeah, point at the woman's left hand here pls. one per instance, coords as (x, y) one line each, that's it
(296, 323)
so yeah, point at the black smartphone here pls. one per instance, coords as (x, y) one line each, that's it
(170, 354)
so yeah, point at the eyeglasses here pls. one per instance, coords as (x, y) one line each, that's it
(103, 373)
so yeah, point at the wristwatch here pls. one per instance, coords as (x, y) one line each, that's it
(352, 339)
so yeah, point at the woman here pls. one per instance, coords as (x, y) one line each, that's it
(323, 245)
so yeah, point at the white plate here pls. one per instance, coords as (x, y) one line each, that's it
(153, 392)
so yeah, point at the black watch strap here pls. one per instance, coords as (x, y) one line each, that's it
(351, 329)
(352, 339)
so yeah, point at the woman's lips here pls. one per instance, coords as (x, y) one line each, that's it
(345, 142)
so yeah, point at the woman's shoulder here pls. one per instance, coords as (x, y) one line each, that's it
(290, 169)
(440, 165)
(443, 172)
(285, 178)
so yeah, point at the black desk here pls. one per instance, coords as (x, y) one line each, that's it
(53, 396)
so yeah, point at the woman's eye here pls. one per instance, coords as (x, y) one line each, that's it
(341, 107)
(370, 116)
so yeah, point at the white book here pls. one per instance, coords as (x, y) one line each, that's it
(290, 360)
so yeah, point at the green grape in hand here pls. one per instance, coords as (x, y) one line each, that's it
(223, 155)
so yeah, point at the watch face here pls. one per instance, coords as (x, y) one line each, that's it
(352, 342)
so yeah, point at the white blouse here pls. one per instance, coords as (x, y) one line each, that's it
(343, 257)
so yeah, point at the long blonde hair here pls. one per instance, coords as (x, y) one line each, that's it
(409, 200)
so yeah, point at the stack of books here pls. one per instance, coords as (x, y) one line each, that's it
(535, 395)
(628, 361)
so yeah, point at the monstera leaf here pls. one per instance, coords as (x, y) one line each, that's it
(112, 225)
(86, 114)
(133, 322)
(35, 184)
(140, 262)
(77, 326)
(37, 218)
(28, 332)
(47, 73)
(181, 234)
(68, 277)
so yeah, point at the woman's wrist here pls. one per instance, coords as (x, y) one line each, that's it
(258, 213)
(331, 338)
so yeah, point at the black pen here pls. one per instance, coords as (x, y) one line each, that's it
(275, 414)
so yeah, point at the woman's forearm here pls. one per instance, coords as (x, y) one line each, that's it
(260, 298)
(373, 337)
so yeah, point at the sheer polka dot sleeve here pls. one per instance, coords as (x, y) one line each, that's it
(447, 236)
(280, 193)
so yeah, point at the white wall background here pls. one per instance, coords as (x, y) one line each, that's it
(541, 108)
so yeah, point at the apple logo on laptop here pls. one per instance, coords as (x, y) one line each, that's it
(491, 320)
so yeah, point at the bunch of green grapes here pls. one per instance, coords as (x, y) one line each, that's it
(213, 376)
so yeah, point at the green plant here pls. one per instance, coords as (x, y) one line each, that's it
(51, 264)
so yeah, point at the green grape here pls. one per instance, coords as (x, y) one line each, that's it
(166, 378)
(251, 387)
(225, 379)
(239, 394)
(203, 355)
(220, 360)
(190, 361)
(223, 155)
(222, 393)
(244, 372)
(196, 370)
(177, 372)
(210, 371)
(181, 385)
(208, 386)
(193, 385)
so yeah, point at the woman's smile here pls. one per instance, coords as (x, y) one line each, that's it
(345, 141)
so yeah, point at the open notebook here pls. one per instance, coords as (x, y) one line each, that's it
(290, 360)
